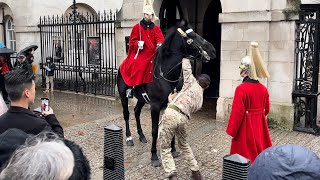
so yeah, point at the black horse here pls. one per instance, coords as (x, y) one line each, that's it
(180, 42)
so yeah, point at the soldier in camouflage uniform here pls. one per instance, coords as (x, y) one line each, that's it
(175, 117)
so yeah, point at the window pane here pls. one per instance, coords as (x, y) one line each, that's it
(11, 35)
(9, 24)
(177, 13)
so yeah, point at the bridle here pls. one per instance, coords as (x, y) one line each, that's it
(190, 42)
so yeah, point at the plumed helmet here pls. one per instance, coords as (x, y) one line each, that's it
(254, 64)
(148, 9)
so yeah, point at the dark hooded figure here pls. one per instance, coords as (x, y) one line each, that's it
(81, 170)
(289, 162)
(10, 140)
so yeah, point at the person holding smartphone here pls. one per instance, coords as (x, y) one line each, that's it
(21, 90)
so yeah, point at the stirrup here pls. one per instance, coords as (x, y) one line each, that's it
(129, 93)
(145, 97)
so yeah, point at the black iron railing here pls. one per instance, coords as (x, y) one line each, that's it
(82, 46)
(305, 93)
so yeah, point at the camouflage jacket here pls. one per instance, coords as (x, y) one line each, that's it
(190, 98)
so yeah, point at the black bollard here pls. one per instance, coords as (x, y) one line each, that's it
(113, 164)
(235, 167)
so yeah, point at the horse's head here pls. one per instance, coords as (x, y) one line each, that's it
(195, 45)
(182, 40)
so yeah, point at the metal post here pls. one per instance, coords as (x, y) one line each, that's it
(113, 164)
(235, 167)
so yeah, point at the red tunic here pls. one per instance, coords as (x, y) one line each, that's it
(247, 124)
(138, 71)
(5, 68)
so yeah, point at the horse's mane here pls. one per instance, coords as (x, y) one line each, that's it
(166, 49)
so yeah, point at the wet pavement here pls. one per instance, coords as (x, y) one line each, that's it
(73, 109)
(84, 117)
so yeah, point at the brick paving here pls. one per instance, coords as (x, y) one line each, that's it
(207, 138)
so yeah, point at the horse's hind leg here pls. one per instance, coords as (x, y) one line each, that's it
(137, 112)
(174, 151)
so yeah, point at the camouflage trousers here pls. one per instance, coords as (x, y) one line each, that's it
(173, 124)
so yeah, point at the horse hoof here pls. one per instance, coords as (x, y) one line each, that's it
(175, 154)
(155, 163)
(143, 139)
(130, 143)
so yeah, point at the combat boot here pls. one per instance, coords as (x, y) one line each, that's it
(196, 175)
(173, 177)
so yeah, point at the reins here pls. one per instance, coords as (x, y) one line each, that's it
(189, 42)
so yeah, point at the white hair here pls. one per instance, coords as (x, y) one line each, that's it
(43, 157)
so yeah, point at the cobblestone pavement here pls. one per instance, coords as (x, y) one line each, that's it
(85, 117)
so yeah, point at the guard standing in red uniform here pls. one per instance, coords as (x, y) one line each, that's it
(247, 124)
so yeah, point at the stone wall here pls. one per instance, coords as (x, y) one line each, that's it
(264, 22)
(26, 16)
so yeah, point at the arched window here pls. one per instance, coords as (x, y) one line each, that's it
(170, 14)
(10, 34)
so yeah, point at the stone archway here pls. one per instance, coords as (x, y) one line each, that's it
(212, 33)
(170, 14)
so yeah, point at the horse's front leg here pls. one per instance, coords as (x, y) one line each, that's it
(137, 112)
(126, 114)
(155, 115)
(174, 151)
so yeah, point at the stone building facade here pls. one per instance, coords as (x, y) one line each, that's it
(21, 18)
(229, 25)
(239, 22)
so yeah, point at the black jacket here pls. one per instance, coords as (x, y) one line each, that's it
(24, 119)
(52, 67)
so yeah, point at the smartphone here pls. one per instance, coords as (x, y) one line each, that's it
(44, 104)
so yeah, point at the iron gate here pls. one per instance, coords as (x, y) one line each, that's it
(305, 93)
(82, 46)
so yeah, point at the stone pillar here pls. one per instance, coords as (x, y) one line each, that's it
(263, 22)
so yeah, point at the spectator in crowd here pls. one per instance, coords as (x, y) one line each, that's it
(49, 67)
(21, 89)
(4, 69)
(11, 139)
(3, 106)
(289, 162)
(22, 62)
(42, 157)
